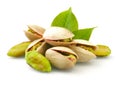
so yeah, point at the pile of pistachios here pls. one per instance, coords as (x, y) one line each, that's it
(57, 46)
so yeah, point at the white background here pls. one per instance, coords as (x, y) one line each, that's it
(101, 74)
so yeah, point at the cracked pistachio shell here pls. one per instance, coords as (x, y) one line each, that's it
(18, 50)
(39, 45)
(34, 32)
(58, 36)
(83, 54)
(37, 61)
(81, 42)
(61, 57)
(102, 51)
(58, 43)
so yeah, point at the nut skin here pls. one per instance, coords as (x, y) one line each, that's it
(61, 57)
(58, 36)
(19, 49)
(34, 32)
(37, 61)
(102, 51)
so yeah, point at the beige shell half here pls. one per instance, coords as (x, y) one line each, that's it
(41, 49)
(57, 33)
(54, 35)
(64, 49)
(83, 55)
(37, 29)
(57, 43)
(83, 42)
(32, 36)
(38, 32)
(59, 60)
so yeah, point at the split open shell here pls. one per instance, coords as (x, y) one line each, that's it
(83, 49)
(39, 45)
(34, 32)
(61, 57)
(79, 42)
(58, 36)
(83, 54)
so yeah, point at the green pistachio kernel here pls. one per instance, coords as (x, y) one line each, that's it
(87, 48)
(31, 31)
(102, 50)
(72, 58)
(67, 40)
(37, 61)
(18, 50)
(35, 46)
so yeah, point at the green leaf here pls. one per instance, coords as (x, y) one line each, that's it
(83, 33)
(66, 19)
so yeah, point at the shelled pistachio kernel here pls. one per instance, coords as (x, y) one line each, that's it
(18, 50)
(37, 61)
(102, 50)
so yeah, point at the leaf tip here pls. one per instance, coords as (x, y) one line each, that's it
(70, 9)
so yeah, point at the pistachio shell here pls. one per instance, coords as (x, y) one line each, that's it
(44, 46)
(37, 61)
(39, 45)
(37, 29)
(32, 36)
(83, 42)
(58, 36)
(64, 49)
(36, 34)
(83, 55)
(33, 43)
(57, 43)
(61, 57)
(57, 33)
(19, 49)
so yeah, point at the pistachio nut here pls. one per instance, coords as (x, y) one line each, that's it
(61, 57)
(81, 42)
(102, 50)
(84, 55)
(58, 36)
(83, 49)
(37, 61)
(39, 45)
(34, 32)
(19, 49)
